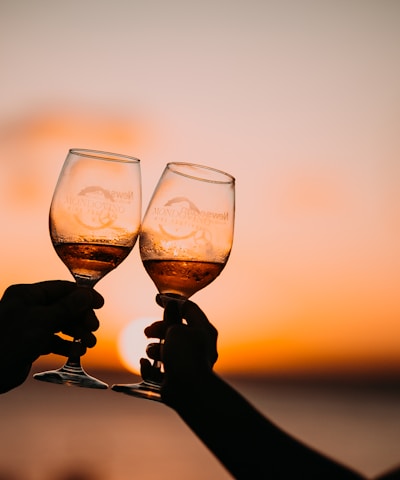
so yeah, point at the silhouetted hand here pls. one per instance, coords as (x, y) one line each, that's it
(188, 351)
(31, 315)
(248, 444)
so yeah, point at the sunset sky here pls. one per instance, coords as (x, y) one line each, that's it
(299, 100)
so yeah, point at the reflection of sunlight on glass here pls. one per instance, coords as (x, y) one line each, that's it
(132, 343)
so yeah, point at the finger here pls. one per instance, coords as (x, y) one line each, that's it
(97, 298)
(164, 299)
(173, 313)
(45, 344)
(40, 293)
(172, 308)
(150, 373)
(88, 339)
(186, 309)
(91, 322)
(83, 298)
(54, 290)
(65, 348)
(194, 316)
(45, 293)
(153, 351)
(156, 330)
(85, 335)
(68, 313)
(78, 325)
(50, 290)
(144, 365)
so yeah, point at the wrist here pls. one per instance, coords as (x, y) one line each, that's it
(177, 392)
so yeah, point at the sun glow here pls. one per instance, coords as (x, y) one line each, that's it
(132, 343)
(307, 125)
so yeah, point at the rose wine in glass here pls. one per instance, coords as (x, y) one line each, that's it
(186, 238)
(94, 222)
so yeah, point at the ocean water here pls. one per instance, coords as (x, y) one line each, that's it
(53, 432)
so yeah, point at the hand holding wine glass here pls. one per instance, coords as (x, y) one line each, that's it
(186, 237)
(94, 222)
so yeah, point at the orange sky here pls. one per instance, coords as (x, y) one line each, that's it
(301, 106)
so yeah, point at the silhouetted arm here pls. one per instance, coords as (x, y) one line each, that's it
(243, 440)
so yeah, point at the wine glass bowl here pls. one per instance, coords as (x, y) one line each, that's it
(94, 221)
(187, 232)
(186, 237)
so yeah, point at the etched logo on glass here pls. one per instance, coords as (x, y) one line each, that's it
(180, 218)
(97, 208)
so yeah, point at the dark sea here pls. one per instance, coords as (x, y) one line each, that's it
(54, 432)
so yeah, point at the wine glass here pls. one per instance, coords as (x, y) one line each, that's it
(185, 239)
(94, 222)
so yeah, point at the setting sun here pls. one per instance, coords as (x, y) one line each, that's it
(132, 343)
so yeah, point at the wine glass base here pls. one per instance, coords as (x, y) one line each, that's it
(67, 375)
(144, 390)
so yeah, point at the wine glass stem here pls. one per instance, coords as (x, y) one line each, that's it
(180, 298)
(74, 360)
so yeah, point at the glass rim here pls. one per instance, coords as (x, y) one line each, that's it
(103, 155)
(230, 178)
